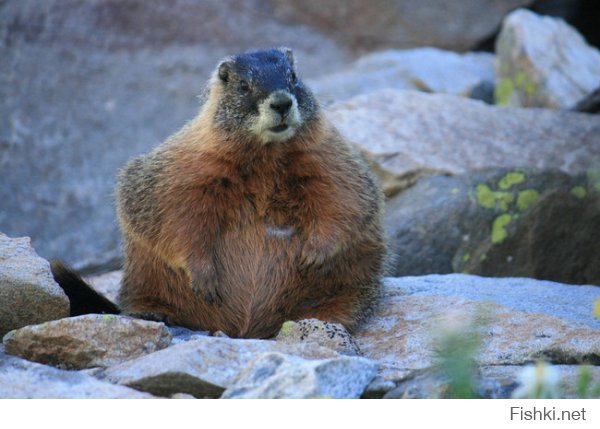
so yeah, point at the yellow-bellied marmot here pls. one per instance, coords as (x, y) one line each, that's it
(256, 212)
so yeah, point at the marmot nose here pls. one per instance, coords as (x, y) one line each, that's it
(281, 104)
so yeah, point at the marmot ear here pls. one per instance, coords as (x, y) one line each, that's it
(224, 70)
(289, 55)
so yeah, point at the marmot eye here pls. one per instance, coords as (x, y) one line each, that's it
(244, 86)
(293, 77)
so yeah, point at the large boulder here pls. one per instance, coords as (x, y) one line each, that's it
(458, 25)
(28, 293)
(510, 321)
(499, 222)
(543, 62)
(425, 69)
(408, 134)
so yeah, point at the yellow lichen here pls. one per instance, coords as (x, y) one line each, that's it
(499, 233)
(510, 179)
(527, 198)
(579, 192)
(286, 328)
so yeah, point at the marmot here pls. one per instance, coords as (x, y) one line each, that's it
(255, 212)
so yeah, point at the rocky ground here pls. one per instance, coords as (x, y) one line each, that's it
(490, 161)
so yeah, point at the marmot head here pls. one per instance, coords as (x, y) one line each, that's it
(261, 95)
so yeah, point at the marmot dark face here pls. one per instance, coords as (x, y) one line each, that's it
(261, 95)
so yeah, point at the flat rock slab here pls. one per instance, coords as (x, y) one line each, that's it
(572, 303)
(279, 376)
(21, 379)
(28, 293)
(407, 133)
(407, 328)
(202, 367)
(87, 341)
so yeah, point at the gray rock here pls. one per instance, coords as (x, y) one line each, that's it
(424, 69)
(543, 62)
(379, 24)
(21, 379)
(108, 284)
(568, 383)
(571, 304)
(87, 341)
(118, 78)
(28, 293)
(326, 334)
(410, 133)
(202, 367)
(277, 376)
(414, 317)
(501, 223)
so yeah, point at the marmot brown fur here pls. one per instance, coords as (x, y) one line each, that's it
(256, 212)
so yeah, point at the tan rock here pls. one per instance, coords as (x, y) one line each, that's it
(408, 133)
(405, 331)
(87, 341)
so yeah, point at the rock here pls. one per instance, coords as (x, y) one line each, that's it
(408, 133)
(326, 334)
(543, 62)
(276, 376)
(119, 78)
(424, 69)
(87, 341)
(21, 379)
(28, 293)
(202, 367)
(108, 284)
(416, 313)
(568, 383)
(590, 103)
(378, 24)
(501, 223)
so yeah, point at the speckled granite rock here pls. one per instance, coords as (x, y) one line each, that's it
(326, 334)
(278, 376)
(203, 367)
(87, 341)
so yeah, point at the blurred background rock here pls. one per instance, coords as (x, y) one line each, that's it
(86, 85)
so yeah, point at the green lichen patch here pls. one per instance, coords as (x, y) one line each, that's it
(503, 91)
(527, 198)
(511, 179)
(455, 191)
(504, 199)
(483, 257)
(499, 233)
(109, 317)
(487, 198)
(286, 328)
(579, 192)
(466, 257)
(525, 83)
